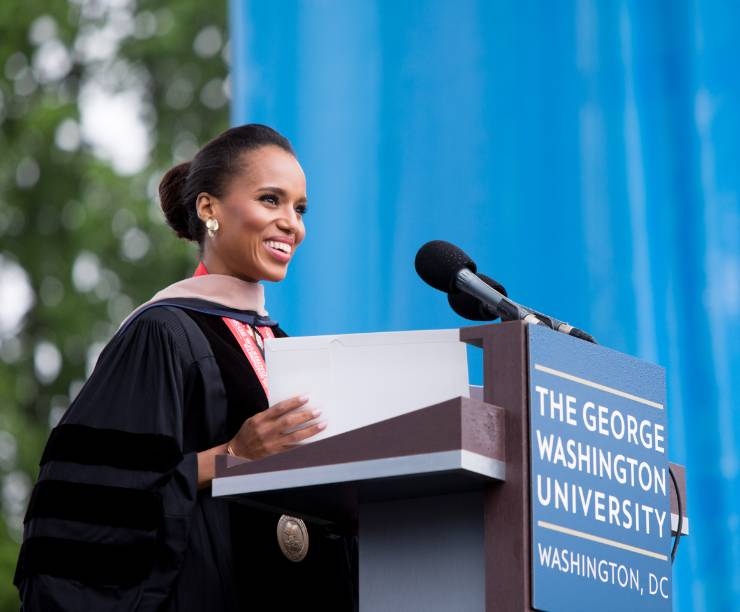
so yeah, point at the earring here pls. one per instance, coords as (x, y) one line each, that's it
(212, 225)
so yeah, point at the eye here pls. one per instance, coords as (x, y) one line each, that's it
(301, 209)
(270, 198)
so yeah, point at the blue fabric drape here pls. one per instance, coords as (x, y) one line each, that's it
(585, 153)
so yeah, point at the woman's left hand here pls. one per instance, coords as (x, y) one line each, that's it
(276, 429)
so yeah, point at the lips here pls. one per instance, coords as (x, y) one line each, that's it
(279, 245)
(279, 250)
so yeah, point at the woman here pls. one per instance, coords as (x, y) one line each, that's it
(122, 517)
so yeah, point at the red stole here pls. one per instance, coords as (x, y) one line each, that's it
(247, 340)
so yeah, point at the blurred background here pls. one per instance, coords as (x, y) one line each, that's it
(586, 153)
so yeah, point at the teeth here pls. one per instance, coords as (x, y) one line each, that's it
(280, 246)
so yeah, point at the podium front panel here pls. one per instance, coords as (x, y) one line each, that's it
(600, 487)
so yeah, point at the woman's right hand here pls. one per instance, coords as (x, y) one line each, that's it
(270, 431)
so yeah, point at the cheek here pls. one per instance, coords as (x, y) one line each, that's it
(251, 224)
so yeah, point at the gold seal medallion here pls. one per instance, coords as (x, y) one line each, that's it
(292, 536)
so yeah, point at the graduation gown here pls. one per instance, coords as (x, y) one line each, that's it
(115, 520)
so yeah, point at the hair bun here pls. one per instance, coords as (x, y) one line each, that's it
(171, 189)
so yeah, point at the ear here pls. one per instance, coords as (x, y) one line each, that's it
(205, 206)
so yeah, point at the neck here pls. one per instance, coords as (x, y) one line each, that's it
(214, 265)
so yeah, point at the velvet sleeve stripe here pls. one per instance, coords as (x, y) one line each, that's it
(98, 564)
(97, 504)
(120, 449)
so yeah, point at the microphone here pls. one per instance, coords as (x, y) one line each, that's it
(448, 268)
(475, 296)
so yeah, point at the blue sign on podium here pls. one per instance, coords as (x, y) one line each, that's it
(600, 486)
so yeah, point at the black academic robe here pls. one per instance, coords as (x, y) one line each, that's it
(115, 520)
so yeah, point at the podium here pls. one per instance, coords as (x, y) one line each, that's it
(441, 497)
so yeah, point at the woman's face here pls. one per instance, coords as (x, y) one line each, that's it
(260, 217)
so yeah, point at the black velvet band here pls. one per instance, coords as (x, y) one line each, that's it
(98, 564)
(120, 449)
(97, 504)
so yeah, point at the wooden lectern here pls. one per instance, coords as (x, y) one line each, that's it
(439, 497)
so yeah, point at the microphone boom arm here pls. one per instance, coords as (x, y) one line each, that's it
(468, 281)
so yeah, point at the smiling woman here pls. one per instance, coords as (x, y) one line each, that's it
(260, 218)
(122, 517)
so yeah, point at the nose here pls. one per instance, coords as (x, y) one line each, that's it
(290, 220)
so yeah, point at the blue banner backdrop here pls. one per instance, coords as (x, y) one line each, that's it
(585, 153)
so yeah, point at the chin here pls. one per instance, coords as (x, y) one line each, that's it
(274, 276)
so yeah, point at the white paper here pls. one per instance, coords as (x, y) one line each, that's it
(359, 379)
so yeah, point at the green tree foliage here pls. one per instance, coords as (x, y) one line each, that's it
(82, 239)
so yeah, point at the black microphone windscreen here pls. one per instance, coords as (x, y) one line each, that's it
(438, 262)
(470, 307)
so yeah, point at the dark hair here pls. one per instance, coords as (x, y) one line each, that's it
(211, 170)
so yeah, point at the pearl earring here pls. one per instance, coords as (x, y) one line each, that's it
(212, 225)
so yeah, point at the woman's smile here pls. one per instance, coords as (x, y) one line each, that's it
(280, 247)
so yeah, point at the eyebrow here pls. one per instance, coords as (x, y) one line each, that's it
(281, 192)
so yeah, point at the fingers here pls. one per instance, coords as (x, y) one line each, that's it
(295, 437)
(295, 419)
(285, 406)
